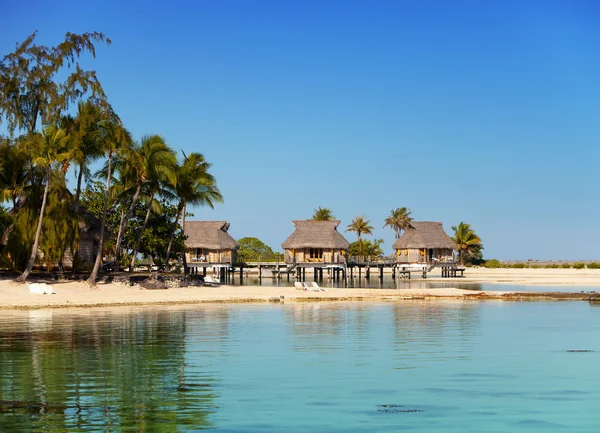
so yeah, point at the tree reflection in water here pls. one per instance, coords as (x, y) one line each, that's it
(100, 370)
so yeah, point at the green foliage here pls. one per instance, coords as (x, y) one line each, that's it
(61, 225)
(519, 265)
(253, 250)
(365, 248)
(323, 214)
(552, 266)
(399, 220)
(28, 88)
(593, 265)
(360, 225)
(155, 238)
(468, 244)
(566, 265)
(493, 264)
(578, 265)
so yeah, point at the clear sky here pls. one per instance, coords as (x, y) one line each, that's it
(485, 112)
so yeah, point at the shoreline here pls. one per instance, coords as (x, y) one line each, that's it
(69, 294)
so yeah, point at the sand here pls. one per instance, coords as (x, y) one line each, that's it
(78, 294)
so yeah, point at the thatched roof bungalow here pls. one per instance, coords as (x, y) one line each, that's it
(423, 243)
(208, 242)
(315, 242)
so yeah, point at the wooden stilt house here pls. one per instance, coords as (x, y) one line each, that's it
(424, 243)
(207, 242)
(315, 242)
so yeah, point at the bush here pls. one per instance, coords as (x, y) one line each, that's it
(578, 265)
(552, 265)
(593, 265)
(519, 265)
(566, 265)
(493, 264)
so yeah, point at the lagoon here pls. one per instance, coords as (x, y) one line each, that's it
(447, 366)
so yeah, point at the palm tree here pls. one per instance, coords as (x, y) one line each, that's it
(399, 220)
(195, 186)
(112, 137)
(51, 146)
(160, 174)
(84, 145)
(137, 164)
(323, 214)
(360, 226)
(467, 242)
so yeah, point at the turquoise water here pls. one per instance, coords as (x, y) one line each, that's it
(320, 367)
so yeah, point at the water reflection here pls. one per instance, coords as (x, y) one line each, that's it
(120, 372)
(387, 282)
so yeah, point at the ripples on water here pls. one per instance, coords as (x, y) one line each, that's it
(323, 367)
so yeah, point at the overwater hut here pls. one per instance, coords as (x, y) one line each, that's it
(207, 242)
(315, 242)
(424, 243)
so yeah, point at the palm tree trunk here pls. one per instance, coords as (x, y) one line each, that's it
(92, 278)
(179, 210)
(185, 266)
(123, 225)
(79, 179)
(142, 230)
(21, 278)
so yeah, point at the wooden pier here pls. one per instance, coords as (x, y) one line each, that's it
(338, 272)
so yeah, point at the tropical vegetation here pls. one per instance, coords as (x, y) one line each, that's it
(254, 250)
(468, 244)
(141, 192)
(323, 214)
(399, 220)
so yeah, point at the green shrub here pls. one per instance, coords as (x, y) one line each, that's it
(493, 264)
(566, 265)
(519, 265)
(593, 265)
(552, 265)
(578, 265)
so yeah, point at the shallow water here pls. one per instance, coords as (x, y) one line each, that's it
(387, 282)
(322, 367)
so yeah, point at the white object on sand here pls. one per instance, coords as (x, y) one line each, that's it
(41, 288)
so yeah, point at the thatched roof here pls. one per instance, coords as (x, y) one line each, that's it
(424, 235)
(209, 234)
(316, 234)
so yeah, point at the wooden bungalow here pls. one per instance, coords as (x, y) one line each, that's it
(424, 243)
(315, 242)
(207, 242)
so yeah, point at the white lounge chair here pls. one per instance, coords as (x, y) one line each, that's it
(41, 288)
(315, 286)
(298, 285)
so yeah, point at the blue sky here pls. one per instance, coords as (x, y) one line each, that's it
(476, 111)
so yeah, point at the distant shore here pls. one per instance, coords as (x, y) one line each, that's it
(77, 294)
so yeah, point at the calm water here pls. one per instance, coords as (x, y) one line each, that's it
(415, 283)
(320, 367)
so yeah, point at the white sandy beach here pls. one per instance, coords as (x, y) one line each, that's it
(78, 294)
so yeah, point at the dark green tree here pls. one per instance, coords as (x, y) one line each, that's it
(50, 146)
(253, 249)
(468, 244)
(29, 90)
(365, 248)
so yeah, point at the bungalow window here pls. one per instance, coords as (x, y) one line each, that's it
(316, 253)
